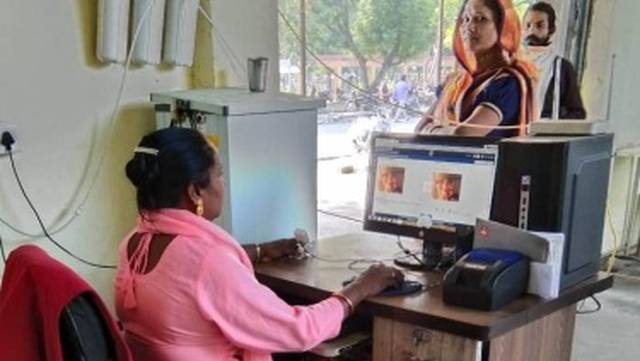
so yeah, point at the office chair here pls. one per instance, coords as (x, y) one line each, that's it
(49, 313)
(83, 332)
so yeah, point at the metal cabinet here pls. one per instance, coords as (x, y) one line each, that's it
(268, 147)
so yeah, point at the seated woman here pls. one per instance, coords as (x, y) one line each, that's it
(186, 290)
(490, 92)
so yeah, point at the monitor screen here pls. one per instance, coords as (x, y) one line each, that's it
(436, 183)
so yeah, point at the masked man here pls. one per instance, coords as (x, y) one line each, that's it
(555, 72)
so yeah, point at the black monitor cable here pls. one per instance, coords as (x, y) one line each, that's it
(7, 142)
(408, 252)
(587, 312)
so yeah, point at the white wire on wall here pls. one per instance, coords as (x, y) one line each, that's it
(108, 141)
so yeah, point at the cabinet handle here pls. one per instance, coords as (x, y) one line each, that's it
(420, 336)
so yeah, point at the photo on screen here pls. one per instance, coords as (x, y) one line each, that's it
(391, 179)
(446, 186)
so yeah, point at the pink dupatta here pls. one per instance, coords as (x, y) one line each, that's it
(170, 221)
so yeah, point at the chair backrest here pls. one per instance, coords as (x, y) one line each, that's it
(84, 333)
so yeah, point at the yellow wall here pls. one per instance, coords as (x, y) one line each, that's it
(61, 99)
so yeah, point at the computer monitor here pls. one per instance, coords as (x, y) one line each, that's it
(427, 187)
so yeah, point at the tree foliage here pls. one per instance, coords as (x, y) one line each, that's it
(400, 29)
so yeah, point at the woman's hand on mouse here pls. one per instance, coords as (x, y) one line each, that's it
(378, 277)
(371, 282)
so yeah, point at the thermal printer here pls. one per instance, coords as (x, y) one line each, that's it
(486, 279)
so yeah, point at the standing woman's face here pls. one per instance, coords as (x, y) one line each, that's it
(478, 27)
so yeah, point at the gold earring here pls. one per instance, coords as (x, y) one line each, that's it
(199, 207)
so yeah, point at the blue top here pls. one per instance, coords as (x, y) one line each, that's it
(503, 96)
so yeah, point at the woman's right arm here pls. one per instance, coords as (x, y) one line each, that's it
(370, 283)
(484, 119)
(427, 120)
(253, 317)
(429, 123)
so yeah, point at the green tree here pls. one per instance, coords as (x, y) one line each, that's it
(384, 31)
(392, 31)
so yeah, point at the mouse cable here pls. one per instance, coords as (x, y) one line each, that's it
(39, 219)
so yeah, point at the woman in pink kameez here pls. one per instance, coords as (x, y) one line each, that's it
(186, 290)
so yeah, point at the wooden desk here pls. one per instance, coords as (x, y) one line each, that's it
(421, 327)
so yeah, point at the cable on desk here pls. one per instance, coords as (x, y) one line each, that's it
(336, 215)
(408, 252)
(351, 260)
(588, 312)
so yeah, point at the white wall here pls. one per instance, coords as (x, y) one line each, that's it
(60, 99)
(614, 31)
(626, 77)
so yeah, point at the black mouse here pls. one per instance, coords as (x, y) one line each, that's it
(404, 288)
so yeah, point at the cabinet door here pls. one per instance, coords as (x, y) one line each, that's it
(397, 341)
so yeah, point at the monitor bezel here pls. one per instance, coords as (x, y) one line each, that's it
(445, 234)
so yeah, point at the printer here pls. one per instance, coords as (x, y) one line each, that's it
(486, 279)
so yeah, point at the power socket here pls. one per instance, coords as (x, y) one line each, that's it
(11, 128)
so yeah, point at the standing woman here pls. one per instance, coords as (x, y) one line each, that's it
(185, 289)
(490, 92)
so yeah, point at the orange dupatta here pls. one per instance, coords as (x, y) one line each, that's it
(461, 79)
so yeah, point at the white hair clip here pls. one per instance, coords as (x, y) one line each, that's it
(146, 150)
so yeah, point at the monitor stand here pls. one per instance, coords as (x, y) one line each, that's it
(435, 255)
(429, 259)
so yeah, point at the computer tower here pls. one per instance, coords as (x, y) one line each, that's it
(557, 184)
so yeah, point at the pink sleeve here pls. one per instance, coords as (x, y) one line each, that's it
(253, 317)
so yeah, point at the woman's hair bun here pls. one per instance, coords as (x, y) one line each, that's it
(143, 169)
(165, 163)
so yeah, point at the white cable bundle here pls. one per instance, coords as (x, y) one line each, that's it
(148, 48)
(180, 32)
(112, 32)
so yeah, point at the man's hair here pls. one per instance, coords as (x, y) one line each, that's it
(546, 8)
